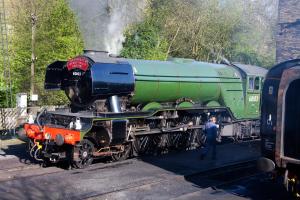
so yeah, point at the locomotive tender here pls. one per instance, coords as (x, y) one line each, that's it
(121, 107)
(280, 114)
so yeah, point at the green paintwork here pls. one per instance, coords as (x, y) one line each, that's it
(158, 81)
(253, 100)
(204, 83)
(83, 133)
(213, 104)
(151, 106)
(185, 105)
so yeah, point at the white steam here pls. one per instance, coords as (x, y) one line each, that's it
(102, 22)
(114, 38)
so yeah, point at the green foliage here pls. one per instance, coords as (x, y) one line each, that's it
(57, 38)
(206, 30)
(203, 30)
(3, 93)
(248, 55)
(143, 41)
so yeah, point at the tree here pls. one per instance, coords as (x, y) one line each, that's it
(205, 30)
(254, 42)
(192, 29)
(43, 31)
(5, 80)
(143, 41)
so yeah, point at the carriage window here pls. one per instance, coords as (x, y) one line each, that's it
(256, 83)
(251, 83)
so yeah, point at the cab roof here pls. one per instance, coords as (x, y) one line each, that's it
(252, 69)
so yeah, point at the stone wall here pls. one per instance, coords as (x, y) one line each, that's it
(288, 35)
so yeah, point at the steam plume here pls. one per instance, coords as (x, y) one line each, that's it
(102, 22)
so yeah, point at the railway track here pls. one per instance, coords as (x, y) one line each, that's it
(170, 175)
(213, 178)
(225, 174)
(35, 169)
(31, 168)
(26, 172)
(144, 181)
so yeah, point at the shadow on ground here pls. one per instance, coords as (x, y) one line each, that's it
(254, 185)
(16, 151)
(28, 189)
(188, 162)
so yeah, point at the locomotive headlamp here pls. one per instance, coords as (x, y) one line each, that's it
(48, 136)
(71, 125)
(30, 119)
(78, 124)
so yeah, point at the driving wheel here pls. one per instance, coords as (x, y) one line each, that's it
(83, 154)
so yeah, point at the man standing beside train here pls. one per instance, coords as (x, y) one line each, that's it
(211, 132)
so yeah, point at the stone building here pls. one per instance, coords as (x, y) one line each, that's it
(288, 35)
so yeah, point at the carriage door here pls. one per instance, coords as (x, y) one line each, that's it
(289, 97)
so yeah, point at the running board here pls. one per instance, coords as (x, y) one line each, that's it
(168, 130)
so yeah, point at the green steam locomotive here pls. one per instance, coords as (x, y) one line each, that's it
(122, 107)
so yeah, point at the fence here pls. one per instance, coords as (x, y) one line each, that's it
(12, 118)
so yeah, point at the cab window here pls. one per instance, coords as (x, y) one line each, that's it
(251, 83)
(256, 83)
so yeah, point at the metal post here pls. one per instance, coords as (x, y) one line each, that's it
(5, 53)
(33, 59)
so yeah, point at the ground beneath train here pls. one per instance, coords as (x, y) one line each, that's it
(178, 175)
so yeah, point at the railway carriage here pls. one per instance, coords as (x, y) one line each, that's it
(280, 128)
(121, 107)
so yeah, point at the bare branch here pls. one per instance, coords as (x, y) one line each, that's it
(172, 41)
